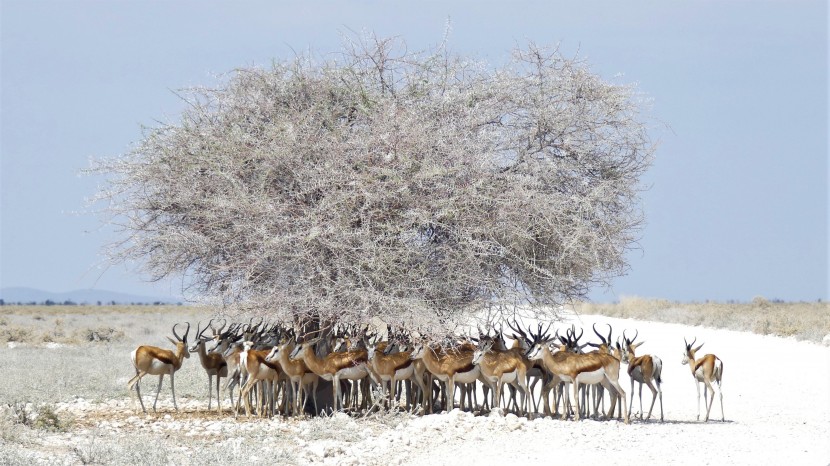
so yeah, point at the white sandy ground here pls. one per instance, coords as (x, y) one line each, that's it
(776, 400)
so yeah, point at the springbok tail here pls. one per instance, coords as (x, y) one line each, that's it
(658, 370)
(133, 381)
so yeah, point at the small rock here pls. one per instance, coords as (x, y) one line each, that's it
(826, 340)
(456, 413)
(341, 416)
(213, 427)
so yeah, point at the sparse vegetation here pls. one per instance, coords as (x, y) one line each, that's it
(71, 393)
(802, 320)
(40, 416)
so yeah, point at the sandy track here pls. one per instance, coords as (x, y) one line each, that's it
(776, 398)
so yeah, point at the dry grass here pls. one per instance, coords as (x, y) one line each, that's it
(802, 320)
(84, 350)
(71, 325)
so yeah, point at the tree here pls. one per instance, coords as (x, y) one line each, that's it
(418, 187)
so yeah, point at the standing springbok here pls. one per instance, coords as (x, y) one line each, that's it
(334, 367)
(302, 380)
(705, 370)
(157, 361)
(500, 367)
(644, 369)
(580, 369)
(259, 370)
(451, 366)
(214, 364)
(394, 367)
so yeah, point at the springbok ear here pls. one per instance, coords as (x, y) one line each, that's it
(696, 349)
(173, 341)
(637, 345)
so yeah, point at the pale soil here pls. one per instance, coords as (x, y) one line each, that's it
(776, 401)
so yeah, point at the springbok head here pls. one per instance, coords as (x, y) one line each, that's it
(689, 354)
(181, 341)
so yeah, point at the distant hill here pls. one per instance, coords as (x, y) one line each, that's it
(90, 296)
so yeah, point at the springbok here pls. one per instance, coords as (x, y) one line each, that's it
(214, 364)
(643, 369)
(452, 366)
(705, 370)
(500, 367)
(229, 349)
(157, 361)
(580, 368)
(392, 368)
(334, 367)
(298, 374)
(261, 370)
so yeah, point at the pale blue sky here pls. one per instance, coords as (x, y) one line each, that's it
(738, 205)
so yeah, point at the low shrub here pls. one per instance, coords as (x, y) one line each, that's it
(16, 334)
(101, 334)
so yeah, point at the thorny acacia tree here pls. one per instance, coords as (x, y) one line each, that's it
(416, 187)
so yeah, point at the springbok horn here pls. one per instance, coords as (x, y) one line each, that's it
(545, 333)
(636, 332)
(174, 332)
(199, 333)
(600, 336)
(186, 331)
(518, 329)
(609, 334)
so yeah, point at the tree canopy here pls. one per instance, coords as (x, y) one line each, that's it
(418, 187)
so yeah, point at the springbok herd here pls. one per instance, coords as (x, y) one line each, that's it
(278, 369)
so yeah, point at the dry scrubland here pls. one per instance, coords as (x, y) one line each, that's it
(802, 320)
(63, 397)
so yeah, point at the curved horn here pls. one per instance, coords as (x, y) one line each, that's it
(636, 333)
(609, 333)
(581, 331)
(517, 329)
(600, 336)
(186, 331)
(200, 332)
(547, 329)
(224, 324)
